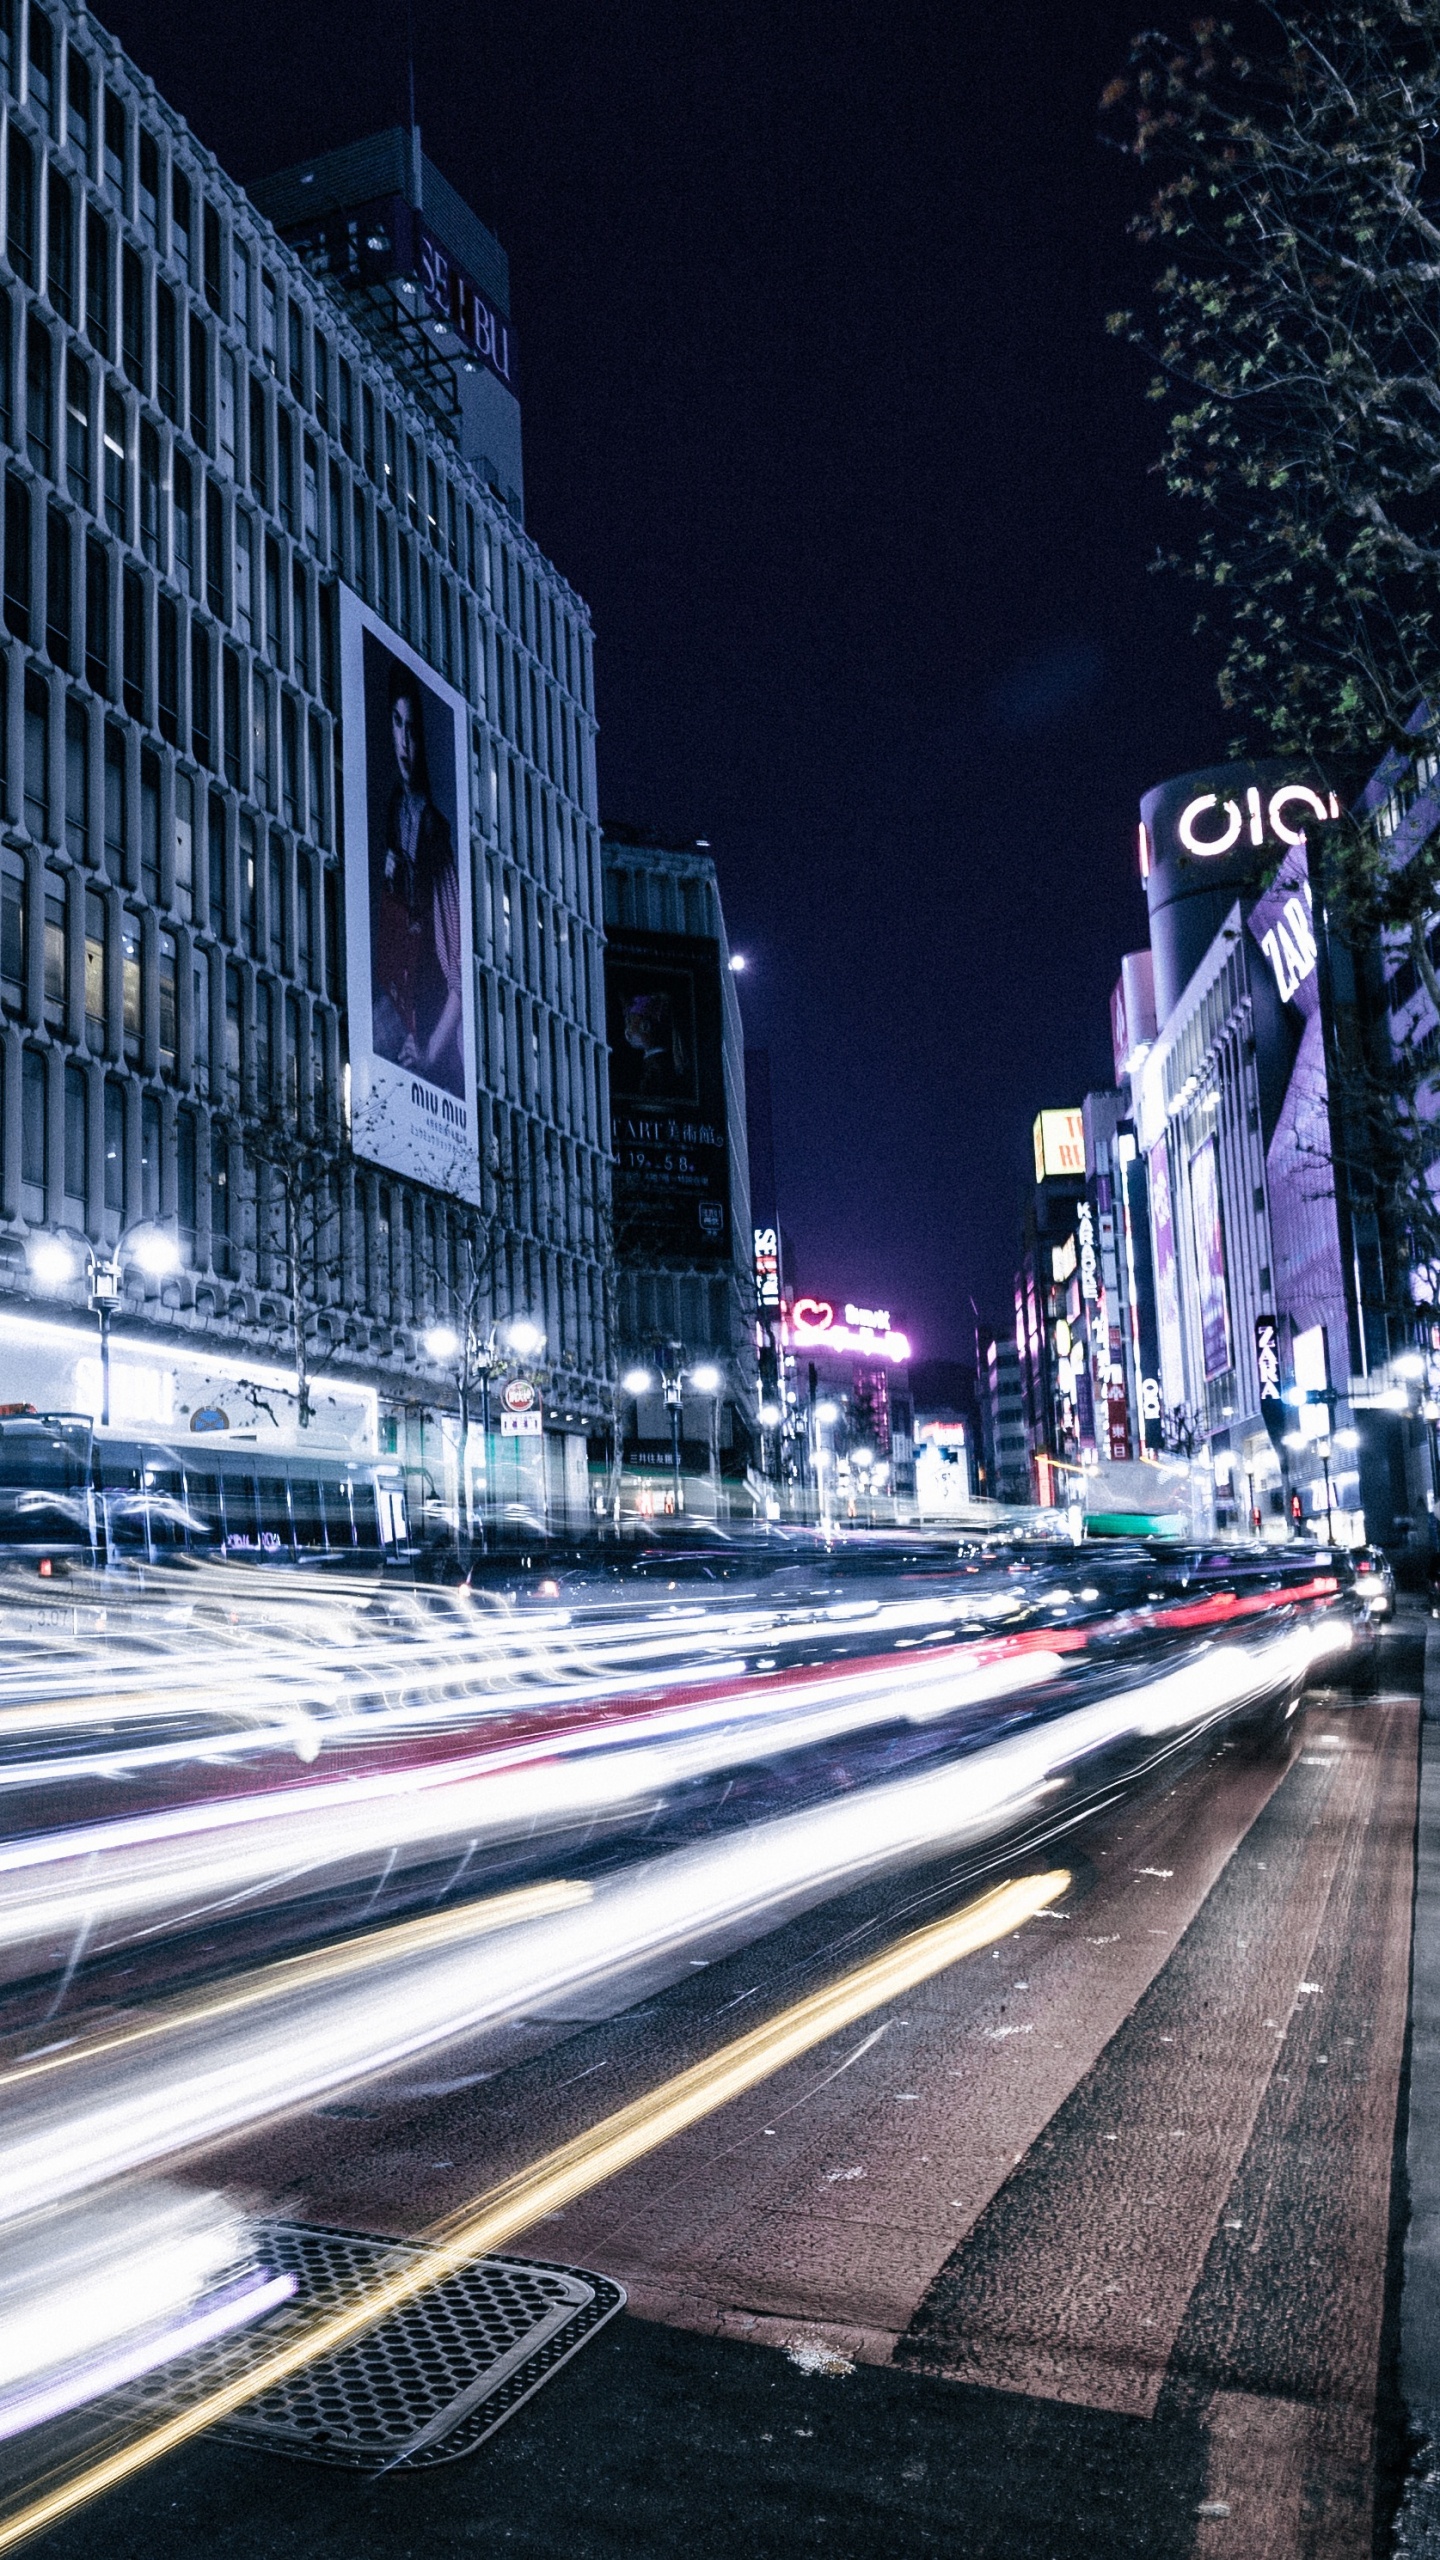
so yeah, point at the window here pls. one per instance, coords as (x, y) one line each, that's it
(347, 410)
(212, 260)
(116, 811)
(37, 754)
(290, 758)
(292, 1056)
(167, 353)
(199, 382)
(131, 980)
(412, 480)
(132, 642)
(77, 779)
(215, 549)
(32, 1122)
(305, 919)
(95, 949)
(150, 492)
(259, 477)
(230, 711)
(219, 1203)
(167, 668)
(249, 889)
(285, 467)
(333, 952)
(150, 187)
(21, 235)
(202, 736)
(182, 215)
(310, 494)
(244, 576)
(317, 779)
(57, 585)
(275, 918)
(184, 513)
(149, 1155)
(38, 367)
(167, 1003)
(184, 898)
(218, 870)
(132, 317)
(115, 473)
(112, 169)
(150, 824)
(239, 285)
(97, 283)
(44, 86)
(228, 405)
(115, 1148)
(296, 336)
(233, 997)
(13, 912)
(77, 1137)
(79, 103)
(5, 383)
(320, 345)
(77, 430)
(264, 1045)
(200, 999)
(53, 955)
(272, 598)
(60, 253)
(268, 323)
(260, 737)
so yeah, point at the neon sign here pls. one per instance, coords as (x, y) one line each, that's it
(815, 1325)
(1289, 943)
(1252, 817)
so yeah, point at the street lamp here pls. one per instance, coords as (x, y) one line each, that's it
(149, 1247)
(706, 1377)
(478, 1355)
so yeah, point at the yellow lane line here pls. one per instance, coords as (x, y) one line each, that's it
(572, 2170)
(324, 1964)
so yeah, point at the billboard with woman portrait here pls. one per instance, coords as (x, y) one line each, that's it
(410, 979)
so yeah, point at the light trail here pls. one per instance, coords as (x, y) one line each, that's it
(571, 2171)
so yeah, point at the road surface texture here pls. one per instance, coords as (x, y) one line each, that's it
(1090, 2245)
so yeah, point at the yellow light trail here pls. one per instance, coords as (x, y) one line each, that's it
(324, 1964)
(562, 2175)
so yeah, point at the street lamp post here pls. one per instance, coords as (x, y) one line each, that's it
(480, 1354)
(52, 1259)
(707, 1378)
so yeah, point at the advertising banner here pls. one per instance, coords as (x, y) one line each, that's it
(409, 974)
(1167, 1290)
(667, 1097)
(1210, 1259)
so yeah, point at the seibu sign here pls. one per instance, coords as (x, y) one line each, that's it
(819, 1324)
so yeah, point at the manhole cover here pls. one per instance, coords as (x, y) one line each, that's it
(428, 2383)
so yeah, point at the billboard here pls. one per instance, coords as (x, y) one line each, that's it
(1059, 1143)
(409, 965)
(1210, 1259)
(1167, 1286)
(667, 1097)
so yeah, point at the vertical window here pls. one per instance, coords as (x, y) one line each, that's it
(115, 1148)
(112, 167)
(95, 940)
(320, 345)
(200, 999)
(269, 324)
(149, 1155)
(32, 1119)
(228, 406)
(131, 976)
(21, 233)
(77, 1136)
(150, 187)
(259, 478)
(367, 412)
(167, 1003)
(230, 709)
(185, 1173)
(249, 889)
(184, 512)
(310, 493)
(77, 779)
(150, 824)
(77, 430)
(79, 103)
(275, 918)
(132, 317)
(244, 576)
(317, 779)
(6, 315)
(199, 382)
(150, 492)
(57, 586)
(97, 614)
(167, 353)
(60, 253)
(211, 229)
(13, 910)
(53, 955)
(272, 598)
(132, 643)
(44, 87)
(218, 870)
(116, 827)
(295, 323)
(264, 1045)
(260, 737)
(333, 954)
(292, 1056)
(219, 1202)
(305, 919)
(202, 736)
(233, 997)
(182, 216)
(300, 625)
(285, 468)
(184, 899)
(290, 758)
(167, 668)
(37, 395)
(97, 283)
(335, 530)
(37, 754)
(360, 562)
(115, 474)
(347, 410)
(412, 480)
(215, 549)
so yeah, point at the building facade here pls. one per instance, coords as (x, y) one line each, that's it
(206, 442)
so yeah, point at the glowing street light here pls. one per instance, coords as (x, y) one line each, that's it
(637, 1382)
(148, 1246)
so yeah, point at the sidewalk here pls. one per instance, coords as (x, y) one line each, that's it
(1417, 2529)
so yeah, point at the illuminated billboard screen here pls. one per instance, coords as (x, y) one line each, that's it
(1167, 1285)
(409, 970)
(1059, 1144)
(1210, 1259)
(667, 1097)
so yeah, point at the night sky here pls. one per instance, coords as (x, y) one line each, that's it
(822, 421)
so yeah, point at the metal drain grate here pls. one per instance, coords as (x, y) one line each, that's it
(428, 2383)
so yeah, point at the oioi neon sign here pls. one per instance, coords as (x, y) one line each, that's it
(1252, 818)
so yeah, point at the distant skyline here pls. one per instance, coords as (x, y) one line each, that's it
(822, 421)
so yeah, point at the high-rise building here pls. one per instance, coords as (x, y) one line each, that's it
(683, 1232)
(300, 909)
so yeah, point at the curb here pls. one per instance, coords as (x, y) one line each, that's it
(1417, 2526)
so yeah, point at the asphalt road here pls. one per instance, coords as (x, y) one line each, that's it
(1089, 2245)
